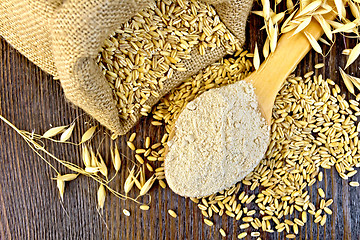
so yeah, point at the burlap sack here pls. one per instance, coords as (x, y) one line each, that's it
(64, 37)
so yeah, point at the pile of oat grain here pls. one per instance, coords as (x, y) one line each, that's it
(149, 50)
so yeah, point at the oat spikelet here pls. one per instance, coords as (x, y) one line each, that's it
(354, 9)
(313, 42)
(325, 26)
(259, 13)
(276, 19)
(129, 182)
(288, 28)
(93, 159)
(61, 186)
(335, 24)
(137, 183)
(256, 59)
(67, 177)
(310, 8)
(349, 85)
(86, 156)
(340, 8)
(53, 131)
(354, 54)
(266, 48)
(148, 184)
(266, 9)
(273, 30)
(116, 159)
(102, 166)
(322, 11)
(92, 169)
(88, 134)
(302, 25)
(324, 41)
(355, 81)
(67, 133)
(101, 194)
(287, 21)
(348, 27)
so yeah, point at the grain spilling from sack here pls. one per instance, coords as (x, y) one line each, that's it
(148, 51)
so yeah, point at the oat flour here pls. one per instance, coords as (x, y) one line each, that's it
(219, 138)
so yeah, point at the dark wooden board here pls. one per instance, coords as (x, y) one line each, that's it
(29, 201)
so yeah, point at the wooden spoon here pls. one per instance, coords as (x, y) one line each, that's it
(267, 80)
(272, 73)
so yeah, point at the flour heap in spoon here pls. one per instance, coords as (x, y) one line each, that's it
(219, 138)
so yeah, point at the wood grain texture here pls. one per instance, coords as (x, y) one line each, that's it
(29, 201)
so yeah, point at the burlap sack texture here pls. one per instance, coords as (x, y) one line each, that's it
(64, 37)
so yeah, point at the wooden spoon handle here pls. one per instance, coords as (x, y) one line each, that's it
(290, 50)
